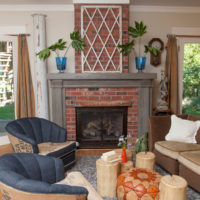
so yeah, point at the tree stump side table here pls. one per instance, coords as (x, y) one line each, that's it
(172, 187)
(126, 166)
(145, 160)
(107, 174)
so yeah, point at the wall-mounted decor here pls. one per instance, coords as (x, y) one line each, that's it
(158, 44)
(101, 28)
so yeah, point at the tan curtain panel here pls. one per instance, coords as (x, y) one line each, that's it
(25, 102)
(171, 71)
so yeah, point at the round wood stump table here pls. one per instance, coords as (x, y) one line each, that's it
(126, 166)
(138, 184)
(107, 174)
(173, 187)
(145, 160)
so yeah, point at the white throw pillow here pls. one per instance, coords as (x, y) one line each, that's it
(182, 130)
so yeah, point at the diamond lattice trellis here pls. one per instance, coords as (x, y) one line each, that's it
(101, 27)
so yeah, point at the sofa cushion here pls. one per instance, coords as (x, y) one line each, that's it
(172, 149)
(191, 160)
(182, 130)
(56, 149)
(76, 178)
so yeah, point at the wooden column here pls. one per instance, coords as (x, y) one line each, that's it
(41, 90)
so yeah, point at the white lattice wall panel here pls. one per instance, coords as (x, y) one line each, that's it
(101, 27)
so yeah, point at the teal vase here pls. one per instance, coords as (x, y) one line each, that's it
(61, 63)
(140, 63)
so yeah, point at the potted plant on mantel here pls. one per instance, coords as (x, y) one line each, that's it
(76, 42)
(137, 32)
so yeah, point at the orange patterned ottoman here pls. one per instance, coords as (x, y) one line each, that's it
(138, 184)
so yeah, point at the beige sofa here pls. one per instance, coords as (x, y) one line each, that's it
(176, 157)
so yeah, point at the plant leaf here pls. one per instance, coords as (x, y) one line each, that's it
(125, 49)
(77, 42)
(45, 53)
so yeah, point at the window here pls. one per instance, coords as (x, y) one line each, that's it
(189, 73)
(8, 69)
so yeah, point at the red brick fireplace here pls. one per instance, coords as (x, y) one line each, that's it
(133, 90)
(101, 77)
(101, 97)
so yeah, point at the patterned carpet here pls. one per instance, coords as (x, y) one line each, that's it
(87, 166)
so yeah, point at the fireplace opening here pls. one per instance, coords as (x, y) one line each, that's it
(100, 127)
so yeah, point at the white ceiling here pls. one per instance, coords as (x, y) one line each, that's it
(189, 3)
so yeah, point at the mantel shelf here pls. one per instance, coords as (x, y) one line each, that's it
(101, 76)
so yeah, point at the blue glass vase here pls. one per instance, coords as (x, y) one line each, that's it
(140, 63)
(61, 63)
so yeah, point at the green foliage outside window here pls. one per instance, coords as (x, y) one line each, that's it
(191, 79)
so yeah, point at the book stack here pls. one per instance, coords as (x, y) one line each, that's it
(111, 156)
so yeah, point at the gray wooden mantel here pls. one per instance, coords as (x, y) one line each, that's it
(143, 81)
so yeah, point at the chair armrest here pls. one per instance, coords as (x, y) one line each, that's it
(158, 128)
(25, 138)
(35, 186)
(22, 143)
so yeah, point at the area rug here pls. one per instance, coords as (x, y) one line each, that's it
(87, 166)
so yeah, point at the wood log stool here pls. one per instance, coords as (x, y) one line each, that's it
(138, 184)
(126, 166)
(107, 174)
(145, 160)
(173, 187)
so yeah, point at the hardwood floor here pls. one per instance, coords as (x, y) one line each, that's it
(91, 152)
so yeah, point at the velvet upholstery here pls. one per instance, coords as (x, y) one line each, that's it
(26, 134)
(35, 174)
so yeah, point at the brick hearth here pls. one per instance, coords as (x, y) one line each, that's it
(101, 97)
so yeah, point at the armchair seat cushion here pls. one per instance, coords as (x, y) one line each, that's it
(56, 149)
(172, 149)
(191, 160)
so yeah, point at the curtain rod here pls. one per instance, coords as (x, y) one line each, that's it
(17, 34)
(186, 36)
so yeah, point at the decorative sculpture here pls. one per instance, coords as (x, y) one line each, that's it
(162, 103)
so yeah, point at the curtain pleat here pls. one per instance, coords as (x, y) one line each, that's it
(171, 71)
(25, 101)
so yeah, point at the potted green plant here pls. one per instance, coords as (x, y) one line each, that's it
(141, 144)
(76, 42)
(137, 32)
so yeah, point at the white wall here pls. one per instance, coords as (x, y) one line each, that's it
(60, 23)
(159, 24)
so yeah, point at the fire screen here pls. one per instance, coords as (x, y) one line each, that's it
(100, 127)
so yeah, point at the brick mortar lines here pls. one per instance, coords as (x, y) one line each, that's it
(101, 94)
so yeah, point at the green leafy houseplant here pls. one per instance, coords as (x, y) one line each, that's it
(137, 32)
(142, 144)
(76, 42)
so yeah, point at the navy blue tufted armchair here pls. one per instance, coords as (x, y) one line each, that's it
(31, 176)
(37, 135)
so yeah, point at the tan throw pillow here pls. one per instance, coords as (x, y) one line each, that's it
(182, 130)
